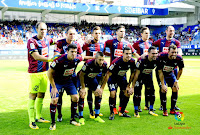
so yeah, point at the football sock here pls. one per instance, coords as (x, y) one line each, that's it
(59, 104)
(97, 105)
(90, 101)
(111, 104)
(38, 106)
(73, 108)
(173, 99)
(81, 106)
(163, 101)
(124, 103)
(53, 112)
(31, 110)
(121, 96)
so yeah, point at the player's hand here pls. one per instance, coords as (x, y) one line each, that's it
(98, 92)
(54, 91)
(82, 93)
(176, 85)
(164, 89)
(131, 91)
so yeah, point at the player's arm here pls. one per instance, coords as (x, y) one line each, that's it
(99, 90)
(39, 57)
(54, 90)
(87, 57)
(128, 89)
(161, 76)
(82, 90)
(136, 55)
(137, 73)
(178, 77)
(108, 74)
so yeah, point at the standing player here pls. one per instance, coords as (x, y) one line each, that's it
(38, 52)
(143, 75)
(167, 63)
(61, 48)
(116, 76)
(60, 76)
(91, 49)
(142, 47)
(88, 78)
(116, 49)
(163, 46)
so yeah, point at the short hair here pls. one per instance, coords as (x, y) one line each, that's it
(71, 46)
(96, 28)
(120, 26)
(37, 24)
(99, 54)
(143, 29)
(68, 28)
(126, 48)
(151, 48)
(172, 47)
(169, 26)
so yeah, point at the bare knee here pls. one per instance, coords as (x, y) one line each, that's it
(74, 98)
(112, 94)
(32, 96)
(40, 95)
(54, 100)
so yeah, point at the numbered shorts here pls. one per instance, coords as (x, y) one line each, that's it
(114, 83)
(69, 87)
(38, 82)
(90, 83)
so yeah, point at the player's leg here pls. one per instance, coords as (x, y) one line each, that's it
(33, 90)
(59, 105)
(53, 106)
(159, 84)
(40, 97)
(112, 98)
(125, 99)
(137, 98)
(121, 95)
(71, 90)
(90, 103)
(163, 96)
(176, 72)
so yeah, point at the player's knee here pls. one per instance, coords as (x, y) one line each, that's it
(32, 96)
(54, 101)
(174, 89)
(40, 95)
(112, 94)
(75, 98)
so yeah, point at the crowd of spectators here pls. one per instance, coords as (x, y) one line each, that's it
(18, 32)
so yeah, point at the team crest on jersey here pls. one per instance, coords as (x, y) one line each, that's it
(32, 45)
(168, 68)
(84, 68)
(53, 64)
(111, 67)
(138, 64)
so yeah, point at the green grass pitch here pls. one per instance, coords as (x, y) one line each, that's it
(14, 115)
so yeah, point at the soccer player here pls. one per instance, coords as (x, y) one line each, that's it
(116, 49)
(116, 76)
(143, 75)
(87, 78)
(163, 46)
(141, 48)
(61, 48)
(167, 63)
(91, 49)
(38, 52)
(60, 76)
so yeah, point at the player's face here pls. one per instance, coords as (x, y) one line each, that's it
(96, 34)
(70, 35)
(173, 53)
(42, 30)
(127, 55)
(153, 54)
(145, 35)
(71, 54)
(120, 33)
(170, 32)
(100, 60)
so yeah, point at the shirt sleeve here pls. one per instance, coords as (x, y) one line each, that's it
(79, 49)
(178, 44)
(156, 43)
(32, 46)
(57, 47)
(181, 63)
(55, 64)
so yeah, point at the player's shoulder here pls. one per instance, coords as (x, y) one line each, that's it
(179, 57)
(90, 61)
(116, 60)
(132, 60)
(110, 41)
(105, 63)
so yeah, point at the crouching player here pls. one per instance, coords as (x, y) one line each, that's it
(143, 75)
(167, 63)
(87, 78)
(60, 76)
(116, 76)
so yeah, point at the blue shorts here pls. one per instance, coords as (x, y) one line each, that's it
(91, 83)
(114, 83)
(147, 80)
(170, 79)
(69, 87)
